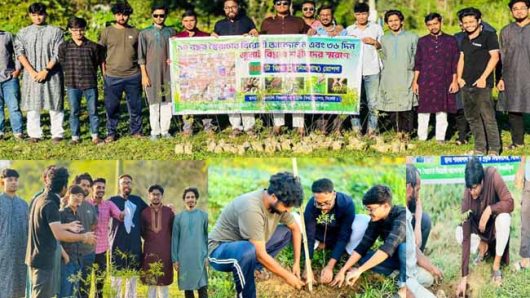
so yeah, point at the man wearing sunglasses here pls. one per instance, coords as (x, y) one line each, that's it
(153, 54)
(329, 218)
(388, 222)
(309, 14)
(284, 23)
(237, 23)
(247, 237)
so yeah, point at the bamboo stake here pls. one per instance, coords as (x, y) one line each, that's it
(308, 269)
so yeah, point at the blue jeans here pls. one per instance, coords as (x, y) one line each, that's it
(114, 88)
(74, 97)
(86, 270)
(398, 261)
(369, 88)
(10, 94)
(68, 289)
(239, 257)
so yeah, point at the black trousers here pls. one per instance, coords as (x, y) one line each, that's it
(203, 293)
(517, 127)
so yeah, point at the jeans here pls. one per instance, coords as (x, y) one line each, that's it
(74, 97)
(425, 228)
(239, 257)
(114, 87)
(69, 271)
(10, 95)
(480, 113)
(86, 270)
(398, 261)
(369, 87)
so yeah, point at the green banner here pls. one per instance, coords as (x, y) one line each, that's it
(266, 74)
(450, 169)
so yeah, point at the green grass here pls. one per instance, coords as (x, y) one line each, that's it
(229, 178)
(442, 202)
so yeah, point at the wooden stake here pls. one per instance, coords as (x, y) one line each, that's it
(308, 269)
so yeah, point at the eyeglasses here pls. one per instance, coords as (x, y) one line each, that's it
(371, 210)
(159, 16)
(308, 9)
(284, 3)
(328, 203)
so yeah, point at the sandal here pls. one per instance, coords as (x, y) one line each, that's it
(518, 266)
(496, 277)
(479, 259)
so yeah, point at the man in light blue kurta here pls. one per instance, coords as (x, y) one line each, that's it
(189, 248)
(395, 93)
(14, 237)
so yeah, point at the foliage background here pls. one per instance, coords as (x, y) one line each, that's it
(229, 178)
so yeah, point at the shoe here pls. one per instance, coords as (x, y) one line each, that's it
(34, 140)
(19, 136)
(250, 132)
(153, 138)
(96, 141)
(166, 136)
(2, 136)
(187, 133)
(300, 131)
(137, 135)
(460, 142)
(514, 147)
(110, 139)
(276, 130)
(493, 153)
(235, 133)
(57, 140)
(75, 142)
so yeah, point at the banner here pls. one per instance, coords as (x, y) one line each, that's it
(266, 74)
(451, 169)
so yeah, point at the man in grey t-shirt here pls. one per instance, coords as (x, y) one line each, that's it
(247, 236)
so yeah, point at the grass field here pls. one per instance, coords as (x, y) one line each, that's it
(442, 202)
(230, 178)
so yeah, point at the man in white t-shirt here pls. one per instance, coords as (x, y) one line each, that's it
(370, 34)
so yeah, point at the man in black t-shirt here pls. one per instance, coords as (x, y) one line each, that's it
(45, 229)
(479, 54)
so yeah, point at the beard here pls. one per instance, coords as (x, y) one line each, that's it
(273, 209)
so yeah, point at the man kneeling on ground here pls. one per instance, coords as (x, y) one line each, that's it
(247, 236)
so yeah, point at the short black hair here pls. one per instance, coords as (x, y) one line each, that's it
(307, 2)
(512, 3)
(324, 7)
(100, 180)
(122, 8)
(274, 1)
(160, 6)
(194, 190)
(46, 171)
(75, 22)
(474, 173)
(125, 176)
(361, 7)
(7, 173)
(378, 194)
(394, 12)
(84, 176)
(469, 12)
(322, 185)
(432, 16)
(75, 190)
(156, 187)
(37, 8)
(287, 189)
(189, 13)
(412, 173)
(57, 179)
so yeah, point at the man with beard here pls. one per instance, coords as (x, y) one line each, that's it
(105, 211)
(515, 55)
(37, 48)
(284, 23)
(126, 236)
(121, 72)
(388, 223)
(435, 77)
(395, 93)
(14, 235)
(329, 221)
(236, 23)
(89, 219)
(479, 55)
(157, 224)
(487, 205)
(421, 221)
(328, 26)
(45, 229)
(153, 55)
(247, 236)
(189, 248)
(370, 34)
(309, 13)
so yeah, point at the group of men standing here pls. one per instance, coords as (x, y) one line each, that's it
(65, 234)
(256, 226)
